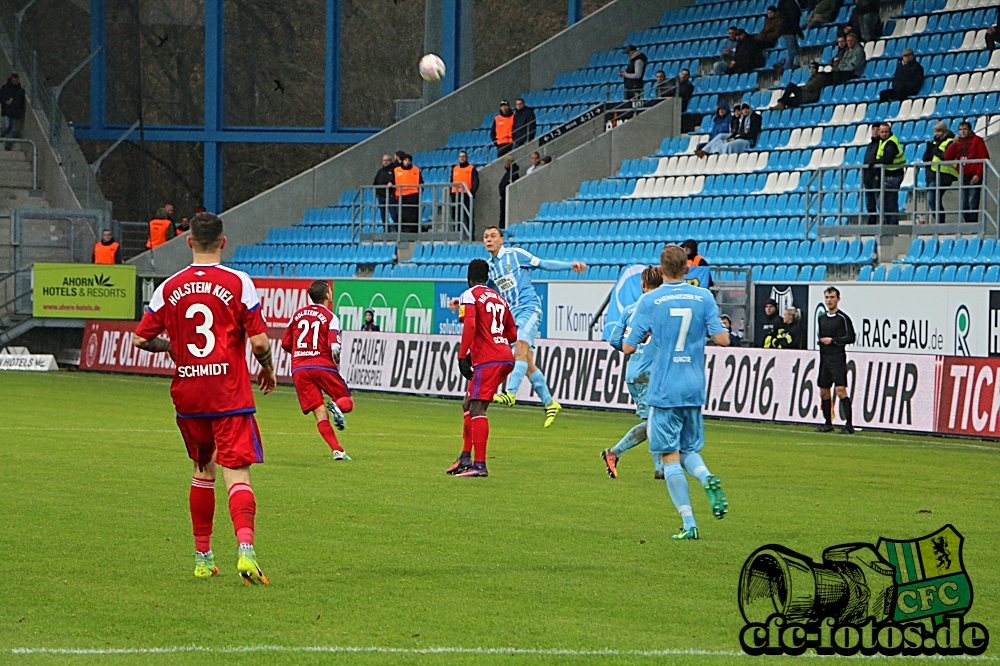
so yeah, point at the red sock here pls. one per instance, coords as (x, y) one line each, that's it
(480, 433)
(345, 404)
(326, 430)
(467, 434)
(243, 508)
(202, 501)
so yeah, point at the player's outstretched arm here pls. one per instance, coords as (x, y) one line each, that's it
(155, 346)
(261, 347)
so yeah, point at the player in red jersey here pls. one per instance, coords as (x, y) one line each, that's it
(485, 359)
(208, 311)
(312, 337)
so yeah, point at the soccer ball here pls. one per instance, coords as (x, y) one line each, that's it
(432, 68)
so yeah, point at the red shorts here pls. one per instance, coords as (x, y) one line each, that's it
(234, 440)
(312, 383)
(487, 378)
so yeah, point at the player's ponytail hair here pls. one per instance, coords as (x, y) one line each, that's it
(651, 277)
(206, 232)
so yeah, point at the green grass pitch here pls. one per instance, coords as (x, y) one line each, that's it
(388, 554)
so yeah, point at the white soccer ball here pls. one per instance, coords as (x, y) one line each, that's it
(432, 68)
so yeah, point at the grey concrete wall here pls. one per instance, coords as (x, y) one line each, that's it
(285, 204)
(598, 158)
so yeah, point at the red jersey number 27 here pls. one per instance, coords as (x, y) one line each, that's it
(304, 326)
(496, 310)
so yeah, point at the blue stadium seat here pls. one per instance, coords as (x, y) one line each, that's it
(948, 275)
(819, 273)
(978, 273)
(805, 274)
(906, 275)
(934, 274)
(879, 275)
(893, 275)
(865, 274)
(963, 273)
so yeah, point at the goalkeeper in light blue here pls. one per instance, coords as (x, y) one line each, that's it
(679, 317)
(636, 379)
(509, 275)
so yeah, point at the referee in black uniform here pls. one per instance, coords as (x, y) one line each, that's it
(835, 331)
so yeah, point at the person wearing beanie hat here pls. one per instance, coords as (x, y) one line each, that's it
(772, 321)
(907, 81)
(502, 129)
(938, 177)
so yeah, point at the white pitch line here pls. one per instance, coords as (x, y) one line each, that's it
(333, 649)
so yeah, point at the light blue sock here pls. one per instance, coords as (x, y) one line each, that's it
(677, 486)
(516, 376)
(538, 383)
(634, 437)
(695, 466)
(658, 462)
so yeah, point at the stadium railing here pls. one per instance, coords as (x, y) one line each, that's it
(835, 202)
(440, 215)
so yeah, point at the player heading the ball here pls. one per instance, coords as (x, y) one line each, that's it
(509, 275)
(208, 311)
(485, 359)
(679, 316)
(312, 337)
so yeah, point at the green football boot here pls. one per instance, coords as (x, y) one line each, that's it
(716, 498)
(204, 565)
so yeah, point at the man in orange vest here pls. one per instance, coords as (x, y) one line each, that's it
(406, 177)
(107, 250)
(461, 201)
(161, 229)
(502, 132)
(694, 259)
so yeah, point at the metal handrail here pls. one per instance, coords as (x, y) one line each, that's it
(451, 217)
(34, 159)
(829, 185)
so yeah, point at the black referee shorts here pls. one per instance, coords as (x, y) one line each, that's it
(832, 371)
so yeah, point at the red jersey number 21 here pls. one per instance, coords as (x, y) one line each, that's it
(497, 310)
(304, 326)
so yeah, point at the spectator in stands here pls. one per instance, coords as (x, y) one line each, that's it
(749, 54)
(511, 173)
(839, 53)
(890, 155)
(824, 12)
(769, 33)
(660, 83)
(938, 177)
(679, 87)
(169, 207)
(907, 80)
(547, 160)
(536, 163)
(870, 176)
(791, 18)
(991, 32)
(968, 146)
(406, 177)
(384, 195)
(183, 225)
(13, 101)
(721, 130)
(866, 20)
(107, 250)
(807, 93)
(633, 72)
(524, 123)
(466, 173)
(694, 259)
(772, 321)
(398, 158)
(161, 229)
(370, 324)
(502, 130)
(728, 51)
(734, 339)
(744, 128)
(852, 64)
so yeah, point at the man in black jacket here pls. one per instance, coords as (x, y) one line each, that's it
(870, 177)
(384, 194)
(679, 87)
(866, 20)
(907, 80)
(13, 102)
(791, 18)
(511, 173)
(634, 72)
(772, 321)
(890, 155)
(749, 54)
(524, 123)
(835, 331)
